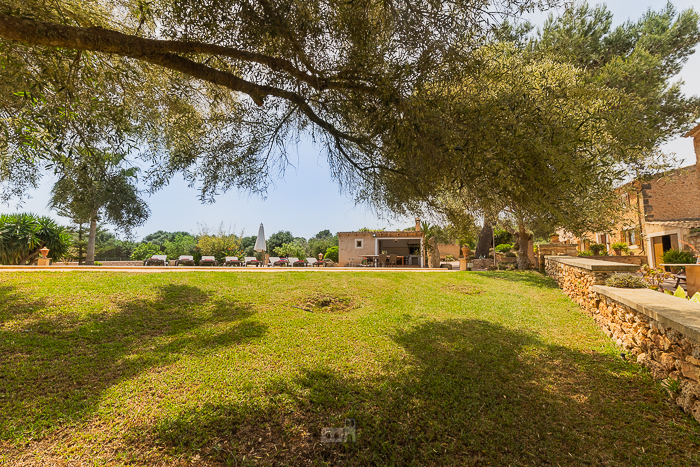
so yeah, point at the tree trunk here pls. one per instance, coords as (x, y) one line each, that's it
(524, 241)
(90, 254)
(485, 240)
(434, 254)
(30, 257)
(80, 244)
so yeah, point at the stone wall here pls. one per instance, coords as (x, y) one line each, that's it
(662, 332)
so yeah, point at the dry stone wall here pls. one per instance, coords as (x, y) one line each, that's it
(662, 332)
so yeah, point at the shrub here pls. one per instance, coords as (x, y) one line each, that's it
(181, 245)
(596, 248)
(97, 263)
(144, 251)
(290, 249)
(23, 235)
(449, 258)
(504, 248)
(585, 253)
(510, 254)
(332, 254)
(673, 256)
(620, 246)
(503, 266)
(626, 281)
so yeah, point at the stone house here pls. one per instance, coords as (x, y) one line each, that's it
(664, 213)
(406, 244)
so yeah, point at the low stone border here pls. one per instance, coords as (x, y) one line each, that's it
(662, 331)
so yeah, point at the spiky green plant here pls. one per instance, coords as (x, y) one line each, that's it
(23, 235)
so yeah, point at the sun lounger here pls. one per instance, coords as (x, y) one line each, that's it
(156, 260)
(185, 260)
(251, 260)
(232, 261)
(295, 262)
(208, 261)
(313, 262)
(276, 261)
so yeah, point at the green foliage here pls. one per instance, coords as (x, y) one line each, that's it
(596, 248)
(503, 236)
(107, 245)
(511, 254)
(504, 248)
(674, 256)
(278, 239)
(160, 237)
(626, 281)
(182, 244)
(367, 229)
(23, 235)
(585, 253)
(144, 251)
(620, 246)
(291, 249)
(332, 254)
(504, 266)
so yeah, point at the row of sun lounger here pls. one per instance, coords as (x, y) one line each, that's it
(187, 260)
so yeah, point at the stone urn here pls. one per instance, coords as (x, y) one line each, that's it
(466, 252)
(44, 259)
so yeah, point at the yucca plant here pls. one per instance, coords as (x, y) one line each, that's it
(23, 235)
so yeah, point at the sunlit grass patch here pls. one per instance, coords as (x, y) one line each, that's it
(228, 369)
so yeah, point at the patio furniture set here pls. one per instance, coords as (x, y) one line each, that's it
(187, 260)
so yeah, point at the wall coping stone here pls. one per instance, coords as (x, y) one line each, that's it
(593, 264)
(674, 312)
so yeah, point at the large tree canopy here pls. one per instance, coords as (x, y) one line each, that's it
(216, 89)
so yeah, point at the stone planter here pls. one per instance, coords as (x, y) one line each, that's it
(555, 238)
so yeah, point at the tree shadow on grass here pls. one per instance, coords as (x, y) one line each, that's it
(56, 372)
(532, 278)
(468, 392)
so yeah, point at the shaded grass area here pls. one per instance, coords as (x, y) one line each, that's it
(234, 369)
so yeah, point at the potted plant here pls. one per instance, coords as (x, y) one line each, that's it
(619, 247)
(554, 238)
(596, 248)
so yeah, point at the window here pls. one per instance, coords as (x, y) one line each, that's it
(359, 243)
(630, 237)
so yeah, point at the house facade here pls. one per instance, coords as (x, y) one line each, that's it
(664, 213)
(353, 247)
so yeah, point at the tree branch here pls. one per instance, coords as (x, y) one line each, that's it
(98, 39)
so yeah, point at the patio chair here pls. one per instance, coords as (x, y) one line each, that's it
(680, 277)
(277, 261)
(232, 261)
(296, 262)
(381, 260)
(313, 262)
(251, 260)
(392, 260)
(185, 260)
(208, 261)
(156, 260)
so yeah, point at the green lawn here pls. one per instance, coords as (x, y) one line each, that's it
(246, 368)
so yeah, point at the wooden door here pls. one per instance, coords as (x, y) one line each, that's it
(658, 250)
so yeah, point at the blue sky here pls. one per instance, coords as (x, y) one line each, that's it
(306, 201)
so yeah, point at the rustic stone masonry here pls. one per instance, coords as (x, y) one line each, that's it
(662, 331)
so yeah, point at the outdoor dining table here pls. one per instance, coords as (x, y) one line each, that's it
(692, 276)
